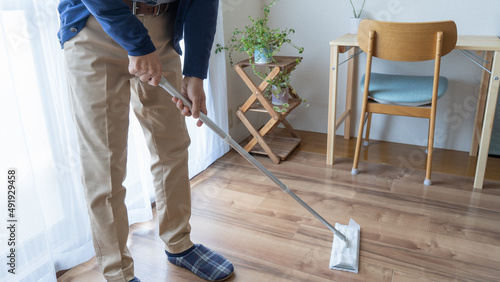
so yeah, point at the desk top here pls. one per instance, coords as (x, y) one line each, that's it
(464, 42)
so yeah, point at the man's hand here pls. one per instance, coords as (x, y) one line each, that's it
(192, 88)
(147, 68)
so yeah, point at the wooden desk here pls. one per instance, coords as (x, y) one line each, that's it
(486, 105)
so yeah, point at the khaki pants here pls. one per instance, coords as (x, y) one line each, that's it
(101, 88)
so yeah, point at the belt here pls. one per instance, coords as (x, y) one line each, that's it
(139, 8)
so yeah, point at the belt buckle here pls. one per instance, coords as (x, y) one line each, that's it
(134, 7)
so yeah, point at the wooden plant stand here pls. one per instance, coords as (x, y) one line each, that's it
(278, 148)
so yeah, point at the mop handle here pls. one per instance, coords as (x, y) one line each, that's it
(215, 128)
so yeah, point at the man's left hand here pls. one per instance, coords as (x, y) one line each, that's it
(192, 88)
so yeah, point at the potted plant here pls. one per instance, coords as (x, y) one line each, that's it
(280, 87)
(261, 43)
(258, 40)
(354, 21)
(278, 91)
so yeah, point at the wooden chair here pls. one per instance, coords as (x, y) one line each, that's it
(413, 96)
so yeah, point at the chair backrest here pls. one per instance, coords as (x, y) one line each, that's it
(410, 42)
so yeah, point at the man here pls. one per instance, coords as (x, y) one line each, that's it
(116, 52)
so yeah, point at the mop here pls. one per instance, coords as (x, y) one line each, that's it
(345, 248)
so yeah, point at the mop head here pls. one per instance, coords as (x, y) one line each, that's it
(345, 255)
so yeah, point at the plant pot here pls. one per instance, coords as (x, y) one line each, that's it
(354, 25)
(263, 57)
(279, 96)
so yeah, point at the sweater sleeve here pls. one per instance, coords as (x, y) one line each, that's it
(118, 22)
(199, 30)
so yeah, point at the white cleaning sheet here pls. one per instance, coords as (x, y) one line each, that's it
(346, 256)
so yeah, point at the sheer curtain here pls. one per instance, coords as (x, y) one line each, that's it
(38, 141)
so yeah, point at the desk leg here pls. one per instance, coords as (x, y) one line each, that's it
(489, 116)
(332, 104)
(481, 102)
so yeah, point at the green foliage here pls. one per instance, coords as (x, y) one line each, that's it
(282, 80)
(354, 9)
(259, 36)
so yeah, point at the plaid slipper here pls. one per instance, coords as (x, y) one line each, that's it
(203, 262)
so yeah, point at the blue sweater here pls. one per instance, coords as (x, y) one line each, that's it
(195, 21)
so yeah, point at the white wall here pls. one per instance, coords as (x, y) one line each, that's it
(317, 22)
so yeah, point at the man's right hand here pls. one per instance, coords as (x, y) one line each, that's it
(146, 67)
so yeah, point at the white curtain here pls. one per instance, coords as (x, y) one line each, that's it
(38, 141)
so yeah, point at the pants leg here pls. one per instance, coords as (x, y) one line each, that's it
(99, 83)
(167, 138)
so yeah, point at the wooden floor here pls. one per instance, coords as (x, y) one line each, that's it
(409, 232)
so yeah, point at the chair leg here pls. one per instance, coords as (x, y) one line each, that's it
(430, 147)
(367, 130)
(364, 106)
(354, 170)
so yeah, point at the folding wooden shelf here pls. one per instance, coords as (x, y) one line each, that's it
(277, 147)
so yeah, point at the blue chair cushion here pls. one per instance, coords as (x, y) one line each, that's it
(403, 89)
